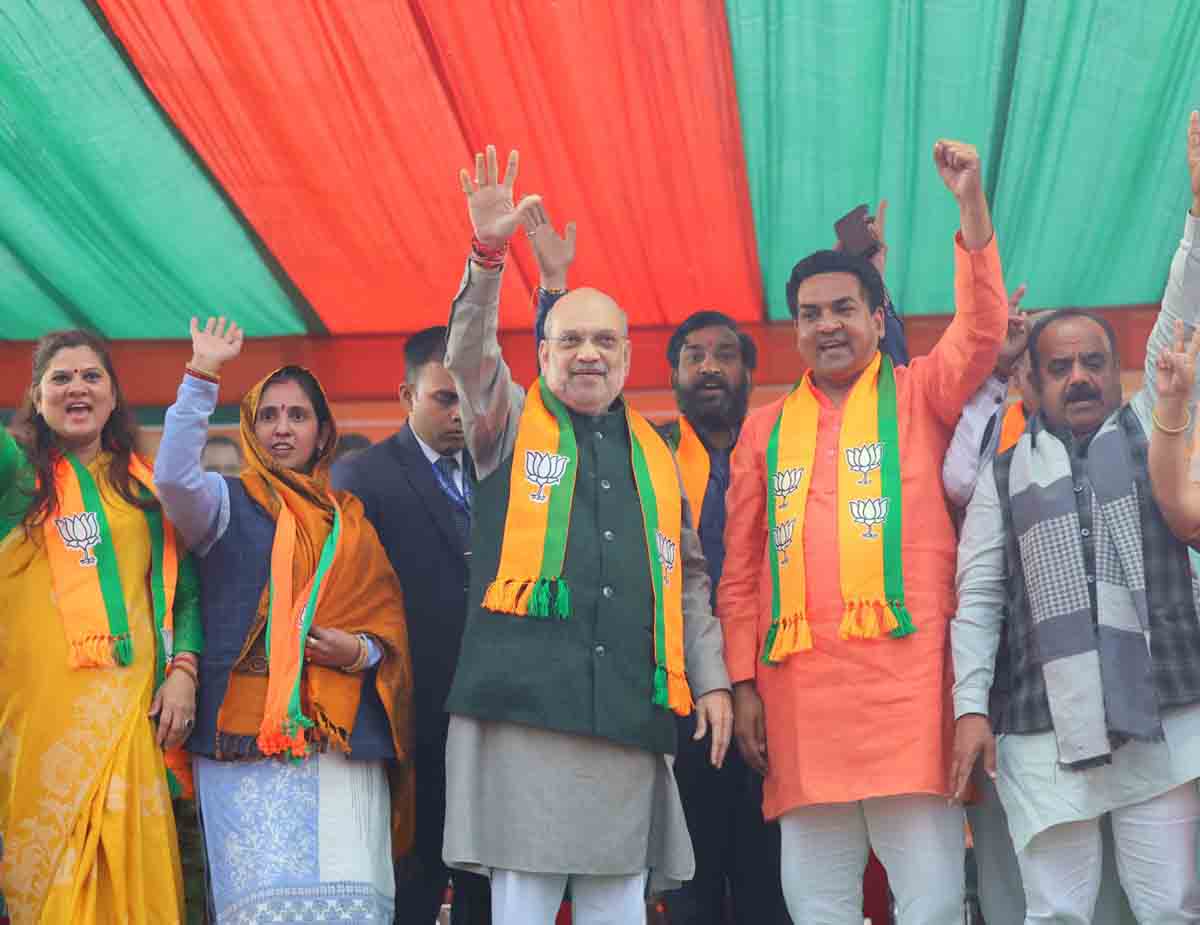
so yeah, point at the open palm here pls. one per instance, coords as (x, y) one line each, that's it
(215, 344)
(554, 254)
(494, 218)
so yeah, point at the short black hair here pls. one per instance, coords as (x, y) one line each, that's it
(223, 440)
(350, 443)
(1063, 314)
(710, 319)
(424, 347)
(836, 262)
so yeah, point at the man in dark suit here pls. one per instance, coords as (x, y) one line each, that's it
(417, 487)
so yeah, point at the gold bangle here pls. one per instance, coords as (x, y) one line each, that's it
(1171, 431)
(364, 653)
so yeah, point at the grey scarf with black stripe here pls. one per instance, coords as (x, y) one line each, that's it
(1099, 673)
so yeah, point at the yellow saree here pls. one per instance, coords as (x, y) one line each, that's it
(89, 836)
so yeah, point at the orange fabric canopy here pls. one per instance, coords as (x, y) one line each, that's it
(338, 131)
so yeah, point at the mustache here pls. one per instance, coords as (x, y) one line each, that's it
(710, 379)
(1082, 392)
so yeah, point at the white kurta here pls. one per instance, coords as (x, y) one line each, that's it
(1036, 791)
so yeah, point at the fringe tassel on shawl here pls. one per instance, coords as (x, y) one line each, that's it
(543, 599)
(671, 691)
(904, 623)
(332, 733)
(790, 635)
(290, 739)
(861, 620)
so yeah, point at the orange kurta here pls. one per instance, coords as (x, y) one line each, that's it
(860, 718)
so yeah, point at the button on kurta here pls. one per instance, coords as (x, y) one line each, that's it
(605, 484)
(599, 651)
(608, 535)
(607, 591)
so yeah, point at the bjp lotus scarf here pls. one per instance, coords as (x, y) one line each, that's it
(869, 513)
(529, 577)
(83, 568)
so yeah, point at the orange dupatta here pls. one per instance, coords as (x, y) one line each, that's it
(358, 592)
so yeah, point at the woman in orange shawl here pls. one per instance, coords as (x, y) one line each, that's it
(302, 721)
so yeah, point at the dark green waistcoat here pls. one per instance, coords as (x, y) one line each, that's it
(592, 673)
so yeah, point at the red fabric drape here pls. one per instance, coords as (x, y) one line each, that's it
(338, 130)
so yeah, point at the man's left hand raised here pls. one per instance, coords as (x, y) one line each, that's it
(715, 711)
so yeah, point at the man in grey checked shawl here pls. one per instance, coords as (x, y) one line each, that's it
(1066, 560)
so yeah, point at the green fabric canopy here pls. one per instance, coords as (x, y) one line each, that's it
(1079, 109)
(106, 220)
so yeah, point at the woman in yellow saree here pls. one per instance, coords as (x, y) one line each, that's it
(92, 602)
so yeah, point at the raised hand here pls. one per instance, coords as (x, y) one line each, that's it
(1175, 371)
(554, 254)
(959, 166)
(490, 200)
(215, 344)
(1194, 159)
(1017, 335)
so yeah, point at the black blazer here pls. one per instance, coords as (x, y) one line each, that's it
(415, 523)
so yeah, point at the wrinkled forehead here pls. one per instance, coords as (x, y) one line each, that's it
(1072, 337)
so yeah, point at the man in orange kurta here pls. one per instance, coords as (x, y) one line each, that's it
(859, 731)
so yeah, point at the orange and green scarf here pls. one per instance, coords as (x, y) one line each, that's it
(869, 518)
(694, 464)
(529, 579)
(83, 569)
(289, 619)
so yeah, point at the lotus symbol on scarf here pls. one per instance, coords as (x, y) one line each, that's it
(543, 470)
(666, 554)
(82, 532)
(869, 512)
(786, 482)
(783, 538)
(862, 459)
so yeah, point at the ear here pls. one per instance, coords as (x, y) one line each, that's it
(324, 435)
(544, 354)
(408, 395)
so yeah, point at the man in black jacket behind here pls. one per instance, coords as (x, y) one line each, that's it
(416, 487)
